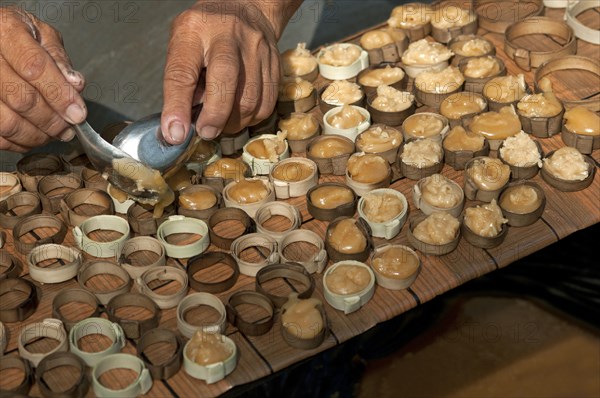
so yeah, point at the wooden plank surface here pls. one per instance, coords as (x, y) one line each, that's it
(260, 356)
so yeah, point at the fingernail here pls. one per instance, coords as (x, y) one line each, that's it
(177, 132)
(67, 135)
(209, 132)
(74, 77)
(75, 114)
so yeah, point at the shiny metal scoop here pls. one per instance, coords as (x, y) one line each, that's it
(141, 140)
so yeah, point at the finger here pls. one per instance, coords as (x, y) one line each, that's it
(52, 41)
(19, 131)
(67, 135)
(185, 59)
(6, 145)
(222, 75)
(25, 100)
(37, 67)
(270, 71)
(248, 98)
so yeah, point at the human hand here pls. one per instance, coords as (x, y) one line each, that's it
(223, 54)
(39, 90)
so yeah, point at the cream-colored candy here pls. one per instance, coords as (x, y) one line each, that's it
(298, 61)
(505, 88)
(472, 48)
(379, 139)
(381, 208)
(520, 199)
(348, 279)
(422, 125)
(331, 197)
(489, 174)
(389, 99)
(440, 192)
(422, 153)
(299, 126)
(381, 76)
(438, 228)
(544, 104)
(204, 151)
(423, 52)
(410, 16)
(248, 191)
(226, 168)
(293, 171)
(376, 39)
(330, 147)
(485, 220)
(567, 163)
(146, 179)
(458, 139)
(539, 105)
(444, 81)
(342, 92)
(267, 148)
(207, 348)
(181, 179)
(294, 88)
(368, 168)
(118, 194)
(520, 150)
(396, 262)
(198, 200)
(345, 237)
(302, 318)
(481, 67)
(347, 118)
(581, 120)
(451, 16)
(339, 55)
(459, 104)
(497, 125)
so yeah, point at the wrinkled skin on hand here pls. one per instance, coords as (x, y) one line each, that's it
(39, 90)
(223, 54)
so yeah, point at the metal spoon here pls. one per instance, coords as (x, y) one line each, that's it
(142, 141)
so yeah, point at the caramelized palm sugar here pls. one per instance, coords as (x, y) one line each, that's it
(345, 237)
(348, 279)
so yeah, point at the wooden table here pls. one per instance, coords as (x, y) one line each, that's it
(261, 356)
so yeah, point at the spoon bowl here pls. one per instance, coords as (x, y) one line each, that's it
(141, 141)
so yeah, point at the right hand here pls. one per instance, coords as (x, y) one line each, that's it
(225, 56)
(39, 90)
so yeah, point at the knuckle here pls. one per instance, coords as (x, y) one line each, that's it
(181, 74)
(223, 67)
(56, 50)
(247, 109)
(54, 126)
(186, 19)
(212, 111)
(214, 114)
(32, 64)
(225, 56)
(23, 102)
(9, 125)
